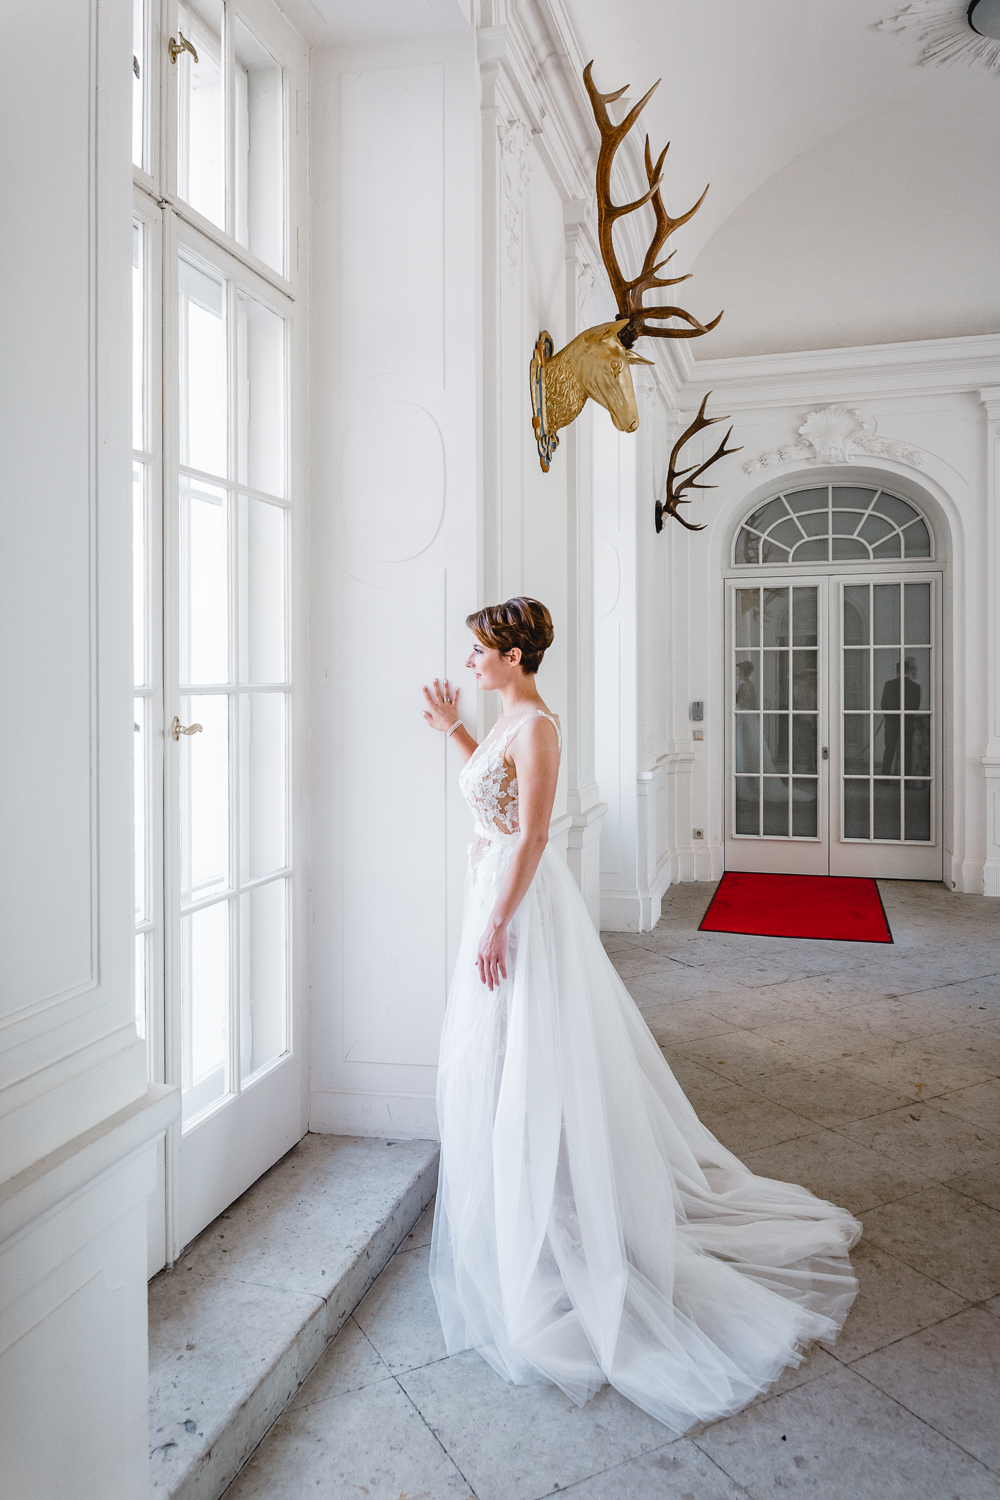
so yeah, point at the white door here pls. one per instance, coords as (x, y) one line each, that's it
(833, 754)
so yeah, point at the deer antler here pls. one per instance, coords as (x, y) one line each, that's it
(629, 294)
(679, 480)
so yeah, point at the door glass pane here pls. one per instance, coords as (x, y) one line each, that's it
(260, 187)
(748, 742)
(804, 680)
(856, 604)
(204, 416)
(856, 693)
(138, 336)
(262, 591)
(917, 745)
(263, 782)
(262, 397)
(263, 975)
(775, 750)
(805, 808)
(776, 617)
(204, 796)
(748, 804)
(856, 745)
(856, 822)
(201, 179)
(804, 617)
(885, 807)
(886, 614)
(204, 583)
(775, 669)
(917, 810)
(747, 679)
(748, 617)
(205, 1012)
(138, 78)
(139, 805)
(138, 575)
(916, 540)
(804, 744)
(140, 983)
(917, 614)
(775, 807)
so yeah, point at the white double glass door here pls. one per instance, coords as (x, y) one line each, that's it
(833, 744)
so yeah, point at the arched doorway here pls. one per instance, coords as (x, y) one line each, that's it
(833, 645)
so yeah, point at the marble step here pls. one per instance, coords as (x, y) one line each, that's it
(238, 1323)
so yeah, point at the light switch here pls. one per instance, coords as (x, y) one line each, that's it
(698, 734)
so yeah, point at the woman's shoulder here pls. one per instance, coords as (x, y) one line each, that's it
(536, 727)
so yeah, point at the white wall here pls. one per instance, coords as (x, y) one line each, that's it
(77, 1123)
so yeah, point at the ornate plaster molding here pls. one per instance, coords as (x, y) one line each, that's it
(585, 284)
(515, 168)
(836, 435)
(943, 28)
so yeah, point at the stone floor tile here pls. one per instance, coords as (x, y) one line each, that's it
(692, 1078)
(948, 1375)
(944, 1234)
(920, 1069)
(399, 1316)
(982, 1183)
(827, 1039)
(678, 1470)
(521, 1442)
(420, 1234)
(980, 1104)
(368, 1443)
(757, 973)
(825, 1095)
(741, 1056)
(676, 1024)
(349, 1363)
(837, 1169)
(993, 1306)
(924, 1138)
(893, 1301)
(743, 1122)
(840, 1438)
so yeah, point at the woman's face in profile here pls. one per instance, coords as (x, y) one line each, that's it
(491, 670)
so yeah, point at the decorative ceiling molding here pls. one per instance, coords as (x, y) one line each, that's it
(943, 28)
(836, 435)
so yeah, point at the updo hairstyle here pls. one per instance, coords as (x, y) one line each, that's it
(520, 622)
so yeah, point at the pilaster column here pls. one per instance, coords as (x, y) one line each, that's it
(991, 760)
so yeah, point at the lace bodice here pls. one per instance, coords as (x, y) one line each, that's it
(488, 783)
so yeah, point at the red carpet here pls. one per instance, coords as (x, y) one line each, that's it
(798, 906)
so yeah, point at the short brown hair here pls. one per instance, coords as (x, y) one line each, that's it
(520, 622)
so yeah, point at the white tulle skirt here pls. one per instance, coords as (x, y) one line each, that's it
(589, 1229)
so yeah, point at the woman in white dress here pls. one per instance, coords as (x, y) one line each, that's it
(589, 1229)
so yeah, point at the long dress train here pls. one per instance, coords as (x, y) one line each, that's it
(589, 1228)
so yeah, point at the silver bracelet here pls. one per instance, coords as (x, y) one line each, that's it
(457, 725)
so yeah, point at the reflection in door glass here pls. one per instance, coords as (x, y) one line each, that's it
(204, 583)
(263, 1012)
(204, 424)
(201, 178)
(262, 397)
(204, 796)
(205, 1014)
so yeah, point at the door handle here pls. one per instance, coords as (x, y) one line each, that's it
(826, 750)
(177, 728)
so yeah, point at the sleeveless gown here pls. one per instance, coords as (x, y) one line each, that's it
(589, 1229)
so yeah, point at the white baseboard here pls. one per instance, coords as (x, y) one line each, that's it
(407, 1117)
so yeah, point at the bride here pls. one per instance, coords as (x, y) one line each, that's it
(589, 1228)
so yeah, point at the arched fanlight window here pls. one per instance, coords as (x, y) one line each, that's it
(833, 523)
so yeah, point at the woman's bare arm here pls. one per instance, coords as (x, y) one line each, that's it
(535, 753)
(441, 713)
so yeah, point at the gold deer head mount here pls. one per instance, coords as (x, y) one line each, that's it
(596, 363)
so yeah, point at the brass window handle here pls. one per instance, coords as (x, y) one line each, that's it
(179, 44)
(177, 728)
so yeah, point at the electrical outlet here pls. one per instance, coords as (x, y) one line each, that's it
(697, 833)
(698, 734)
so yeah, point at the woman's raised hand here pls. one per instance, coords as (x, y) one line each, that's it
(442, 707)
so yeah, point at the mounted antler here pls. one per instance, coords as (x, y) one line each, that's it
(679, 480)
(629, 294)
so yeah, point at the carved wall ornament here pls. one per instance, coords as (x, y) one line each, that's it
(596, 363)
(944, 29)
(836, 435)
(515, 168)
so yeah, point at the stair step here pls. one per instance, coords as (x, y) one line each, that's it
(238, 1323)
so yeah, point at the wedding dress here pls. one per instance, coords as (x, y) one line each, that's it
(589, 1229)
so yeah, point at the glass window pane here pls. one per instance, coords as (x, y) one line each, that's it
(845, 522)
(138, 78)
(747, 679)
(886, 614)
(885, 809)
(817, 499)
(847, 497)
(766, 516)
(262, 591)
(917, 810)
(856, 604)
(775, 667)
(138, 575)
(204, 796)
(262, 397)
(817, 523)
(813, 551)
(748, 804)
(917, 613)
(805, 808)
(204, 426)
(917, 667)
(747, 548)
(777, 623)
(263, 779)
(787, 532)
(875, 529)
(201, 179)
(804, 744)
(916, 540)
(848, 548)
(775, 751)
(204, 583)
(138, 337)
(917, 745)
(748, 742)
(804, 616)
(889, 548)
(140, 983)
(897, 510)
(139, 737)
(856, 824)
(775, 822)
(771, 552)
(205, 1007)
(260, 184)
(856, 679)
(263, 976)
(804, 680)
(857, 730)
(748, 617)
(886, 667)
